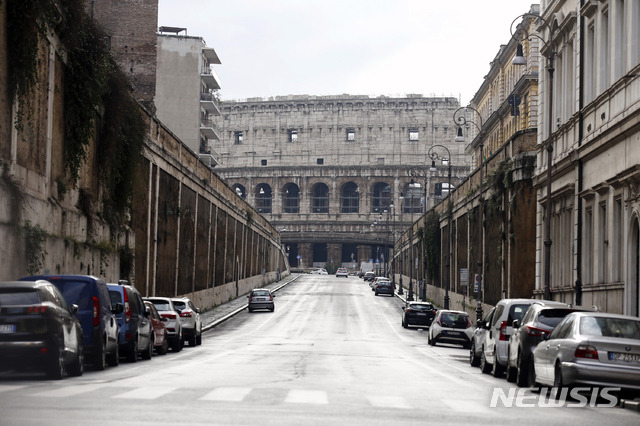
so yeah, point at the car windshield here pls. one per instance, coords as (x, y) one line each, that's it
(161, 305)
(261, 293)
(552, 317)
(13, 297)
(610, 327)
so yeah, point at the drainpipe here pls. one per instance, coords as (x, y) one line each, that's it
(580, 165)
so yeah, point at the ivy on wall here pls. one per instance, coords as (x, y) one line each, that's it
(98, 106)
(432, 245)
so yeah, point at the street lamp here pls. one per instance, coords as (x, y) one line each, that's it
(461, 119)
(434, 156)
(411, 195)
(549, 52)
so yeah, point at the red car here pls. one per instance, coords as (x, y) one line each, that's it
(160, 342)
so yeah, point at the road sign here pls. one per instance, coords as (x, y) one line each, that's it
(464, 277)
(477, 283)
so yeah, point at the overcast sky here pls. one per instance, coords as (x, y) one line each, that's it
(360, 47)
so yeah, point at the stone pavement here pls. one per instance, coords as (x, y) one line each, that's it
(220, 314)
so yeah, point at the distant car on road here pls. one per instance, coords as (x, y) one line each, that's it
(261, 298)
(342, 272)
(190, 319)
(418, 313)
(320, 271)
(384, 287)
(39, 329)
(450, 327)
(167, 310)
(591, 349)
(369, 276)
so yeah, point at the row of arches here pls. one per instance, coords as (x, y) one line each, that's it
(350, 197)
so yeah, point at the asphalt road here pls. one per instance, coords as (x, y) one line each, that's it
(331, 353)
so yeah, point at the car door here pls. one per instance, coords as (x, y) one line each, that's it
(547, 351)
(492, 334)
(145, 327)
(66, 320)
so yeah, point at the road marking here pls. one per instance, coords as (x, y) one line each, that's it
(226, 394)
(299, 396)
(388, 402)
(145, 392)
(70, 390)
(7, 388)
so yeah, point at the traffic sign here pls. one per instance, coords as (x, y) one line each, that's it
(477, 283)
(464, 277)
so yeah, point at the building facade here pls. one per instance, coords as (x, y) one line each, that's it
(186, 90)
(339, 176)
(590, 118)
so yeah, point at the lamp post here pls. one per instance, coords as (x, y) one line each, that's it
(548, 51)
(461, 119)
(411, 266)
(434, 156)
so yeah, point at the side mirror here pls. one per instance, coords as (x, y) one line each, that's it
(273, 295)
(247, 296)
(403, 308)
(73, 309)
(515, 323)
(147, 311)
(197, 310)
(118, 309)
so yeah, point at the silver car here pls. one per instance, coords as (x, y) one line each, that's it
(261, 298)
(477, 340)
(593, 349)
(166, 309)
(450, 327)
(190, 320)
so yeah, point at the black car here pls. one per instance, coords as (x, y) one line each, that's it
(384, 287)
(418, 313)
(538, 322)
(38, 329)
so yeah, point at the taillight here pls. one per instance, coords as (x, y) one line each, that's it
(503, 330)
(535, 332)
(96, 311)
(169, 316)
(185, 314)
(271, 297)
(38, 309)
(408, 310)
(468, 323)
(127, 307)
(586, 351)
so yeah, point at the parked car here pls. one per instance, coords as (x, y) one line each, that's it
(450, 327)
(377, 280)
(320, 271)
(190, 319)
(369, 276)
(495, 348)
(39, 329)
(261, 298)
(160, 340)
(591, 349)
(539, 321)
(167, 310)
(384, 287)
(342, 272)
(477, 341)
(96, 315)
(418, 313)
(136, 332)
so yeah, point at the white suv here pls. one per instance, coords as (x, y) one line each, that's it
(190, 320)
(342, 272)
(495, 347)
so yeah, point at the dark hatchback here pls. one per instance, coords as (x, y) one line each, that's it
(418, 313)
(39, 330)
(136, 330)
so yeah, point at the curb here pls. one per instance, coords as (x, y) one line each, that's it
(242, 308)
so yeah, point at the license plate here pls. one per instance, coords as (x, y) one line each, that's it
(453, 333)
(260, 299)
(7, 328)
(422, 315)
(617, 356)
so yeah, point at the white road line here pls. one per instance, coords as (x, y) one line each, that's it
(299, 396)
(145, 392)
(388, 402)
(73, 390)
(226, 394)
(9, 388)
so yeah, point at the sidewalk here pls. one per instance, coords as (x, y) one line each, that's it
(220, 314)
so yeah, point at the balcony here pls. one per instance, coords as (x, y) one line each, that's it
(209, 129)
(210, 103)
(210, 77)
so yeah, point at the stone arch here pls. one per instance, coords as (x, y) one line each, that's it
(381, 197)
(291, 198)
(350, 198)
(320, 198)
(264, 198)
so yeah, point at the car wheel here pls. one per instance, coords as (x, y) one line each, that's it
(100, 359)
(199, 338)
(497, 370)
(114, 357)
(56, 368)
(176, 346)
(522, 372)
(147, 354)
(132, 353)
(162, 350)
(512, 373)
(376, 292)
(192, 339)
(77, 366)
(250, 310)
(404, 324)
(485, 367)
(474, 360)
(557, 379)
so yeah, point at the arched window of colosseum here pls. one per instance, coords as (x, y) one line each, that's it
(240, 190)
(381, 199)
(350, 200)
(291, 198)
(263, 198)
(320, 198)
